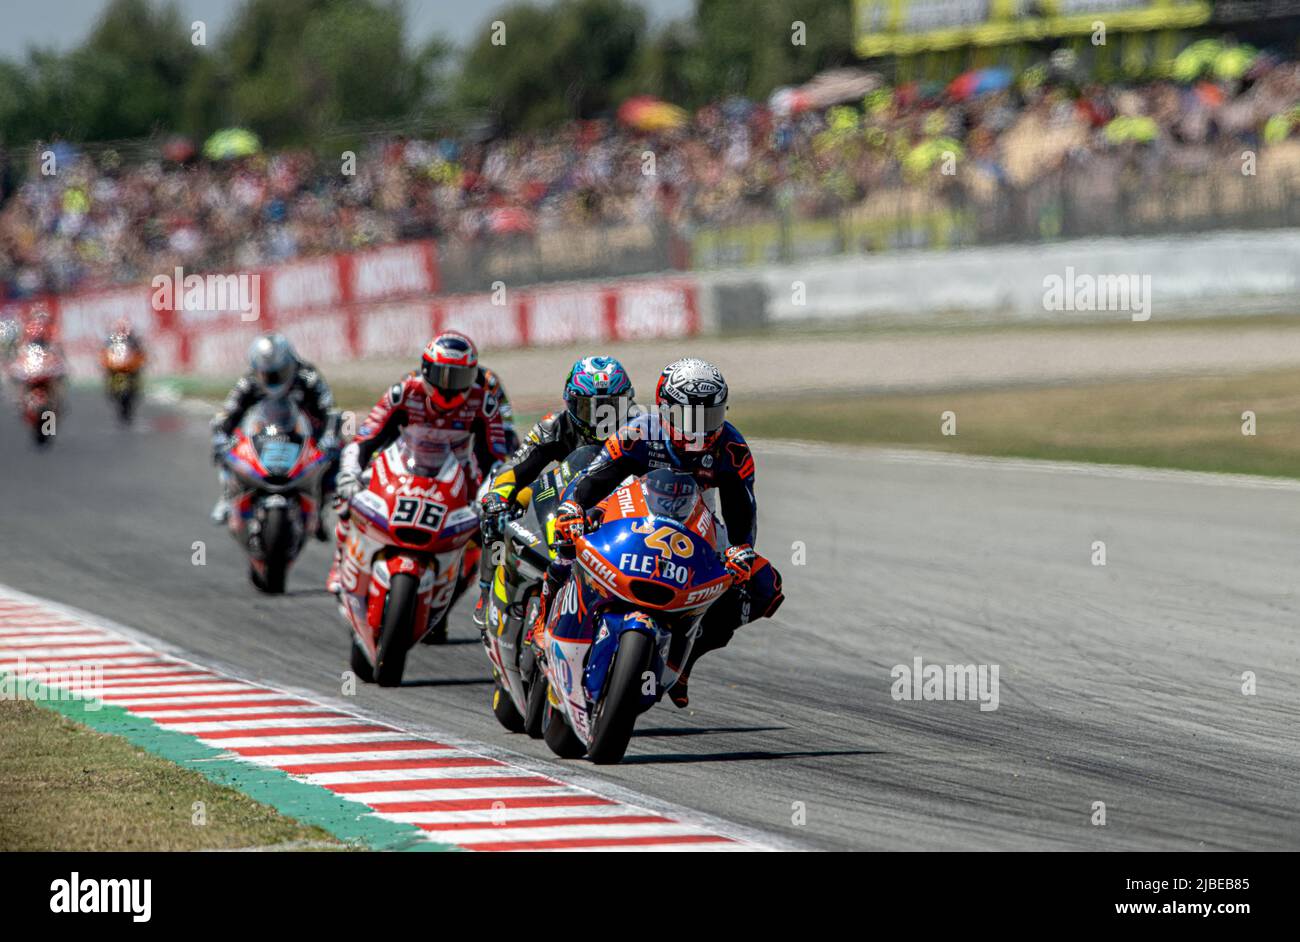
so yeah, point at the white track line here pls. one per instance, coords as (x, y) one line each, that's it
(1077, 468)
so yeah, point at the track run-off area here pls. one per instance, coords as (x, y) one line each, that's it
(1164, 685)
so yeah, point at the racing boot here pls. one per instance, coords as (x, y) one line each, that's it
(321, 530)
(220, 511)
(532, 638)
(678, 692)
(333, 584)
(480, 607)
(438, 633)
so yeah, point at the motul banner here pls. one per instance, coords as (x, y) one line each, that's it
(381, 302)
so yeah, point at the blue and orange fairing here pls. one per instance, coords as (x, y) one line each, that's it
(638, 571)
(654, 563)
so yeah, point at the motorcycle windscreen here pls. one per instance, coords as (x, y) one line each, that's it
(670, 494)
(423, 455)
(276, 418)
(278, 455)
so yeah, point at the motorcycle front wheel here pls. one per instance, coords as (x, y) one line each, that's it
(360, 665)
(396, 629)
(277, 540)
(621, 701)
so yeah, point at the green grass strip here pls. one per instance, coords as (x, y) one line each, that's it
(349, 821)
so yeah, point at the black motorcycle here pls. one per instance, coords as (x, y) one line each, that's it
(515, 599)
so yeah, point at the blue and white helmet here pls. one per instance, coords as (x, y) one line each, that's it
(598, 393)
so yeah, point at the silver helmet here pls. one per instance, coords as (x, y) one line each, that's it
(692, 401)
(274, 363)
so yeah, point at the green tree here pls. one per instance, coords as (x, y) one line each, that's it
(293, 70)
(123, 81)
(747, 47)
(573, 59)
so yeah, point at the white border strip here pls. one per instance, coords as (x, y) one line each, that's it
(748, 838)
(792, 448)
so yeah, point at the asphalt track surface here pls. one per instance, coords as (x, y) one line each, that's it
(1118, 684)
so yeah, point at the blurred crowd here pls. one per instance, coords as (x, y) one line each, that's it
(103, 219)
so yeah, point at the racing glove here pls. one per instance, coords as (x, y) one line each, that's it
(570, 521)
(740, 561)
(346, 485)
(493, 509)
(220, 445)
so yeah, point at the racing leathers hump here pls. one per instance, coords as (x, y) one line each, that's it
(553, 438)
(492, 383)
(642, 445)
(472, 428)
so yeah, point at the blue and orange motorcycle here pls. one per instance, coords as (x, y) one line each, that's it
(622, 627)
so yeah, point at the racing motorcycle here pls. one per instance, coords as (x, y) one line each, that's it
(122, 366)
(404, 556)
(37, 372)
(274, 466)
(513, 602)
(623, 626)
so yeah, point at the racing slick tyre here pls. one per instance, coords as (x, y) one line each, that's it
(360, 666)
(621, 703)
(535, 708)
(396, 629)
(533, 675)
(562, 741)
(277, 538)
(503, 708)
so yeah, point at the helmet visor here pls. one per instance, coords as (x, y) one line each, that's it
(448, 379)
(604, 415)
(696, 420)
(275, 380)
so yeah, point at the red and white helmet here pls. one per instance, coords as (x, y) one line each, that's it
(449, 368)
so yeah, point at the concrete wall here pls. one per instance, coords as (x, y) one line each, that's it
(1188, 276)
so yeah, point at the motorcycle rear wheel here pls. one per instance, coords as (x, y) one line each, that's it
(562, 741)
(535, 712)
(621, 702)
(396, 628)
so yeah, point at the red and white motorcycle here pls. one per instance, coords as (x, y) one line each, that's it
(403, 555)
(37, 372)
